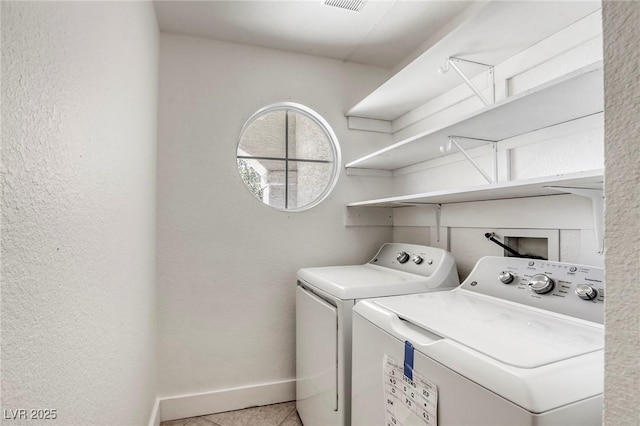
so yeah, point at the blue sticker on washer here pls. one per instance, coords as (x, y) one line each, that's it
(408, 360)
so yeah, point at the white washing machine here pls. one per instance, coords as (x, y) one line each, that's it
(325, 298)
(520, 342)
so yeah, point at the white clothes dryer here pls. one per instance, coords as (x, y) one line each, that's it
(325, 297)
(519, 342)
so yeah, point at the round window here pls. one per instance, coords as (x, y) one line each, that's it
(288, 156)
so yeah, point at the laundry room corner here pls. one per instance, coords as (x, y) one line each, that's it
(320, 213)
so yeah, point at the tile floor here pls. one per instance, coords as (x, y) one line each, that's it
(283, 414)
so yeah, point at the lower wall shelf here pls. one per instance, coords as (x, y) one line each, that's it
(536, 187)
(586, 184)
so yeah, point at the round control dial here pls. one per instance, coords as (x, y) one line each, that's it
(541, 284)
(402, 257)
(417, 259)
(505, 277)
(586, 292)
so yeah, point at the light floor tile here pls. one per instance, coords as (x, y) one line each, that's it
(268, 415)
(191, 421)
(292, 419)
(283, 414)
(179, 422)
(200, 421)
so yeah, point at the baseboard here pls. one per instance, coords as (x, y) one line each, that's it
(154, 419)
(182, 406)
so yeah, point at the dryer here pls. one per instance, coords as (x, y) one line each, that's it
(520, 342)
(325, 297)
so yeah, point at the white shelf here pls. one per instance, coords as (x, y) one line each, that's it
(536, 187)
(572, 96)
(477, 34)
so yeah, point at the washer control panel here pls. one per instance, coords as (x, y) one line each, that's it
(565, 288)
(412, 258)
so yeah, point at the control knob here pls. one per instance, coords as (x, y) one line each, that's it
(402, 257)
(505, 277)
(417, 259)
(540, 283)
(586, 292)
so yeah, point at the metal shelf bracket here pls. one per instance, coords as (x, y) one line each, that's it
(452, 62)
(494, 156)
(438, 213)
(597, 207)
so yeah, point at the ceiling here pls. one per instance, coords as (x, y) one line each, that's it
(385, 33)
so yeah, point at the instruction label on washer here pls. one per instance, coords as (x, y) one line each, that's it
(408, 402)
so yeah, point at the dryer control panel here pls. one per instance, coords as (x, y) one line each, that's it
(412, 258)
(565, 288)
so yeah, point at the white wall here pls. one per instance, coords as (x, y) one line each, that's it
(622, 222)
(226, 262)
(79, 97)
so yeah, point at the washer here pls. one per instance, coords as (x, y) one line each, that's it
(324, 301)
(520, 342)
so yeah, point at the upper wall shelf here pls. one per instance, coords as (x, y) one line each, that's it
(572, 96)
(535, 187)
(477, 34)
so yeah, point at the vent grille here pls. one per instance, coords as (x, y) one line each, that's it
(354, 5)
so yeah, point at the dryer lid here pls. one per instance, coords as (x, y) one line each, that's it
(360, 281)
(508, 332)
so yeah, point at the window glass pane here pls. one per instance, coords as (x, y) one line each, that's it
(307, 182)
(264, 137)
(265, 179)
(288, 156)
(307, 140)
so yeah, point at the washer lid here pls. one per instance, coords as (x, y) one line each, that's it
(360, 281)
(505, 331)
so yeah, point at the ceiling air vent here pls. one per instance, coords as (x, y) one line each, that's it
(354, 5)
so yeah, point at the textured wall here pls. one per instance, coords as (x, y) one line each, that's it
(227, 262)
(622, 223)
(79, 98)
